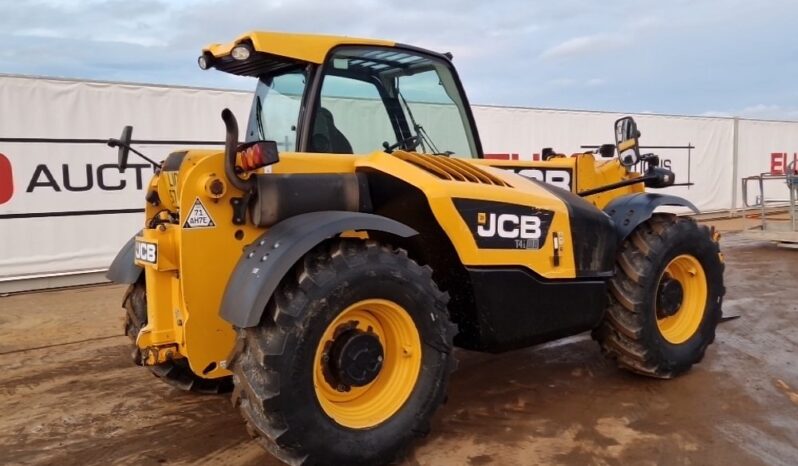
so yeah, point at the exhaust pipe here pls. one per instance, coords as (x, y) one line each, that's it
(230, 149)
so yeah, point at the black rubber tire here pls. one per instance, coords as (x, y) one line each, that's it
(176, 373)
(629, 333)
(272, 363)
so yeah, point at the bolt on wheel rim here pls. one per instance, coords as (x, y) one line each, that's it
(682, 322)
(360, 407)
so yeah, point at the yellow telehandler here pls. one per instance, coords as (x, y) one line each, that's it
(325, 267)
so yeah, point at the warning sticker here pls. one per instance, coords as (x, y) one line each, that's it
(198, 217)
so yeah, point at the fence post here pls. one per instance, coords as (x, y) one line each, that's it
(735, 159)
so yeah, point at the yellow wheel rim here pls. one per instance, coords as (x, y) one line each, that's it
(681, 325)
(370, 405)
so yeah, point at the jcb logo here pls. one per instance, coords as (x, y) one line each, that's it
(146, 252)
(6, 180)
(559, 178)
(508, 226)
(500, 225)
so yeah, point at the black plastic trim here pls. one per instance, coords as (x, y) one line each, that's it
(174, 161)
(124, 269)
(627, 212)
(516, 308)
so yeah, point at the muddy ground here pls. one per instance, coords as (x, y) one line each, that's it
(69, 393)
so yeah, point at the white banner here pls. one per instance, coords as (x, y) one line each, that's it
(524, 132)
(765, 147)
(65, 208)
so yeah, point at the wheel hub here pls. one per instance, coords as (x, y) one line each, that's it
(355, 359)
(669, 298)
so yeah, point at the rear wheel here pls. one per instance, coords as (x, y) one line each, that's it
(665, 299)
(177, 372)
(350, 360)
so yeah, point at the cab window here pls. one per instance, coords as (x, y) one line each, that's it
(275, 109)
(387, 99)
(351, 118)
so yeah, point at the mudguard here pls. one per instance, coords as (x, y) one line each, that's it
(124, 269)
(627, 212)
(265, 262)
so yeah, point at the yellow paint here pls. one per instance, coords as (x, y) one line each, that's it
(183, 308)
(311, 48)
(680, 327)
(372, 404)
(591, 174)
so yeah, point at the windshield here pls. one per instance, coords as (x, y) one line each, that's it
(275, 109)
(433, 107)
(388, 99)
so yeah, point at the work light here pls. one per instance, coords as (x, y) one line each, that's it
(240, 52)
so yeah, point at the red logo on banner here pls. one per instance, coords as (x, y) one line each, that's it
(6, 180)
(779, 162)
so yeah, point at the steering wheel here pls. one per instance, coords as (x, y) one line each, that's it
(408, 143)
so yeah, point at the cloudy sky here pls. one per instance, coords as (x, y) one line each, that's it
(703, 57)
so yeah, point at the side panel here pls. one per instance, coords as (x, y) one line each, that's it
(460, 231)
(208, 247)
(516, 309)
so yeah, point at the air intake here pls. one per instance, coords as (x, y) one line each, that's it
(450, 168)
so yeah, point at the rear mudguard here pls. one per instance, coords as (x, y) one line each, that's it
(627, 212)
(266, 261)
(124, 269)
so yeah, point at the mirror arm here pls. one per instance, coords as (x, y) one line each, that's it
(153, 162)
(113, 142)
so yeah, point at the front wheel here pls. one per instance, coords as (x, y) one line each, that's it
(351, 359)
(665, 299)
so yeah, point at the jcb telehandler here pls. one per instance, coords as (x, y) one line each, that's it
(325, 267)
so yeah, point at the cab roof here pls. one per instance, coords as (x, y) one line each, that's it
(310, 48)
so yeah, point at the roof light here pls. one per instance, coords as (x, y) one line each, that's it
(203, 62)
(240, 52)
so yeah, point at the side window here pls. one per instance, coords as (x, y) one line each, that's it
(275, 109)
(352, 118)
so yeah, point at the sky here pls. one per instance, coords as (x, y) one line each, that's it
(697, 57)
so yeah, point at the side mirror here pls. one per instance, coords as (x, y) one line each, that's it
(626, 139)
(123, 145)
(607, 151)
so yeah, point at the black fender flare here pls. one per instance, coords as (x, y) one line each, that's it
(124, 269)
(627, 212)
(266, 261)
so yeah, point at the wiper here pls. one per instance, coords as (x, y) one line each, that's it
(259, 118)
(421, 133)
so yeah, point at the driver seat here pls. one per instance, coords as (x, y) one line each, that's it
(326, 137)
